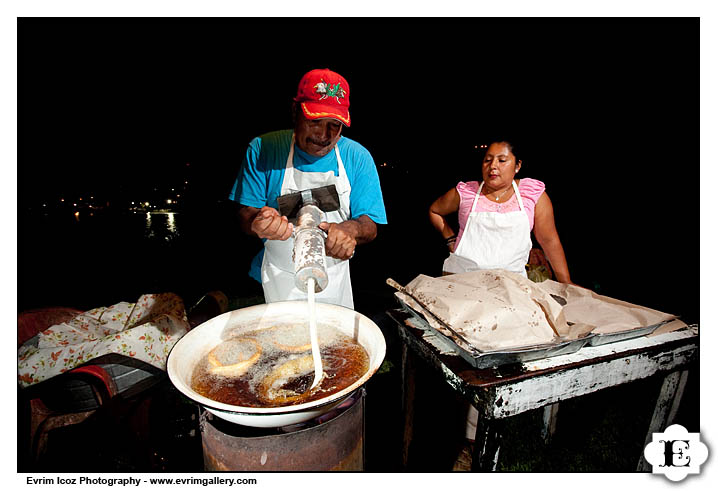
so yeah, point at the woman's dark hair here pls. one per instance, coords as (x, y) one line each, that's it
(515, 149)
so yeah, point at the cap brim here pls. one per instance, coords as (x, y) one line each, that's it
(317, 110)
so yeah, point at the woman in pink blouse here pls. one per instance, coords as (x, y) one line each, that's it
(496, 217)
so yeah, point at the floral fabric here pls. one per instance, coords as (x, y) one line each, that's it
(145, 330)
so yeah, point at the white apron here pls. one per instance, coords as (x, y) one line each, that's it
(277, 264)
(493, 240)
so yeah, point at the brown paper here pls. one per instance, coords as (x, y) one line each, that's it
(606, 314)
(674, 325)
(496, 309)
(492, 309)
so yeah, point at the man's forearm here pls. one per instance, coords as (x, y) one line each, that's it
(366, 229)
(246, 214)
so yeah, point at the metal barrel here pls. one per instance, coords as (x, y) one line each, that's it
(334, 445)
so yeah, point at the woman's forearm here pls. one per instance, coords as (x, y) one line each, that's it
(439, 209)
(440, 224)
(547, 237)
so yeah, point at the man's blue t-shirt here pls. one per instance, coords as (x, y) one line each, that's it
(259, 182)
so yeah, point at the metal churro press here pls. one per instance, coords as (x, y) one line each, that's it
(309, 208)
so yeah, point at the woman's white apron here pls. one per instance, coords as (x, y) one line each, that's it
(493, 240)
(277, 264)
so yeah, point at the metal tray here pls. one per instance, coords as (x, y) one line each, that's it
(598, 339)
(490, 359)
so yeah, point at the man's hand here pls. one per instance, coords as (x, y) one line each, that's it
(341, 240)
(343, 237)
(269, 224)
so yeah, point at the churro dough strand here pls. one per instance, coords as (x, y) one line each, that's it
(316, 354)
(235, 369)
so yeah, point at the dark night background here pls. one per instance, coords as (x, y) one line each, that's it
(607, 111)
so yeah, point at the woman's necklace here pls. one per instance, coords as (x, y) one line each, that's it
(502, 194)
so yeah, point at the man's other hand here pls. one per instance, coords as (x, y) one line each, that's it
(269, 224)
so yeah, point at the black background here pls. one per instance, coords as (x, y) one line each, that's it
(606, 110)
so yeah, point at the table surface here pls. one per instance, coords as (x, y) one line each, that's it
(541, 382)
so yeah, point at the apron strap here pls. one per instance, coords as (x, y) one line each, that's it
(518, 195)
(288, 182)
(341, 179)
(476, 198)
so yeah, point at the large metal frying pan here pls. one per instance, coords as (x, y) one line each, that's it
(195, 345)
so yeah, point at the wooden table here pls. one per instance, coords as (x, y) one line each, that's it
(499, 394)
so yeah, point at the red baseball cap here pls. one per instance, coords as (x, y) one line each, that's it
(323, 93)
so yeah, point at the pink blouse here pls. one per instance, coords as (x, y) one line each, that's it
(530, 190)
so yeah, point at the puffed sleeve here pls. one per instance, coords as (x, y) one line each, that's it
(531, 189)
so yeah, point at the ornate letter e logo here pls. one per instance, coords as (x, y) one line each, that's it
(676, 453)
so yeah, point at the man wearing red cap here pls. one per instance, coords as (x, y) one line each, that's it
(312, 155)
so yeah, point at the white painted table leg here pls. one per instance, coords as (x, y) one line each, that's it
(550, 414)
(487, 444)
(667, 405)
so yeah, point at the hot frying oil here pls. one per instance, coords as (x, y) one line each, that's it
(344, 362)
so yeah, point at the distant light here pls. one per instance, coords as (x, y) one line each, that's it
(169, 201)
(74, 204)
(62, 199)
(132, 202)
(147, 203)
(77, 213)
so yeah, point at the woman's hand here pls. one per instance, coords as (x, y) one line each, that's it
(536, 257)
